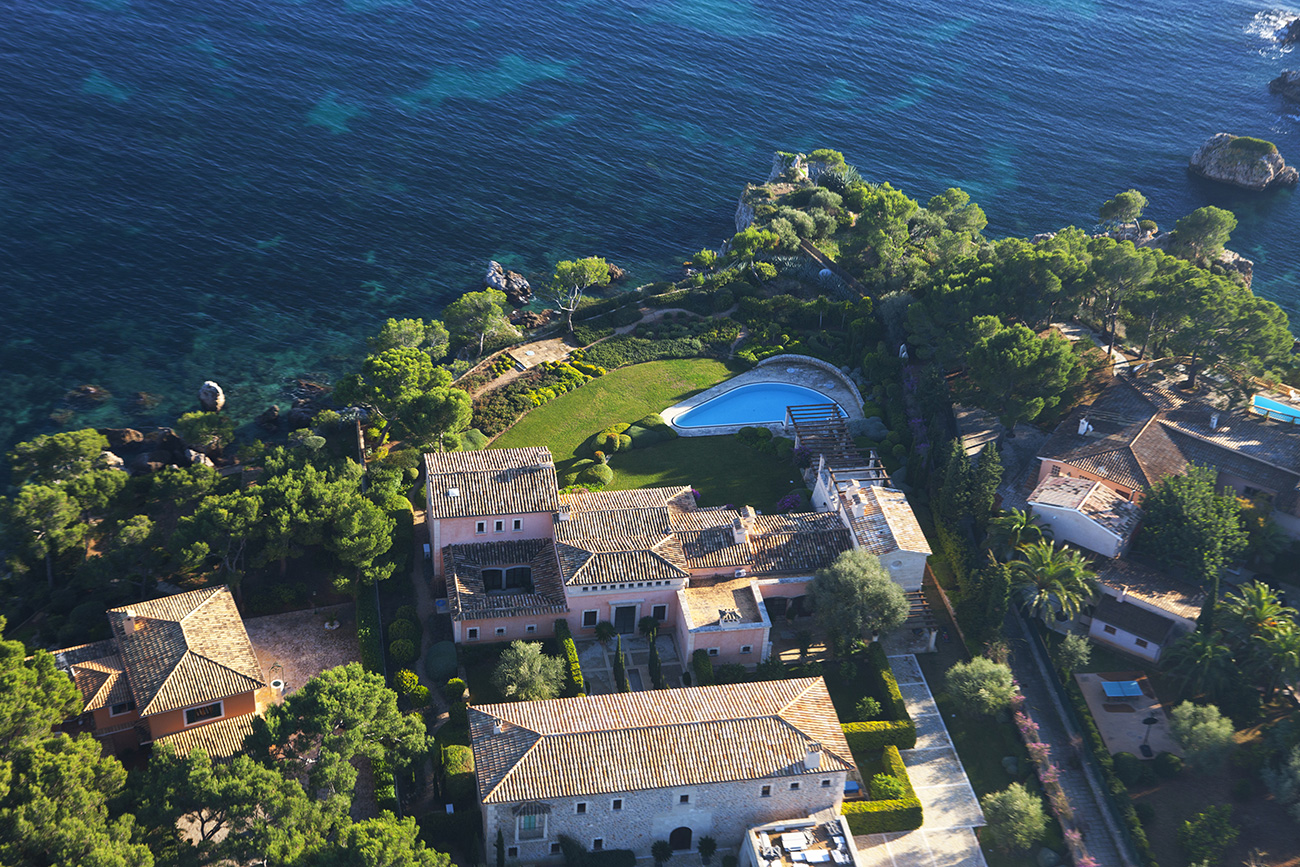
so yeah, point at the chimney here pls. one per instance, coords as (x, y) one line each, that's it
(563, 514)
(453, 492)
(129, 622)
(1084, 427)
(1214, 421)
(498, 726)
(813, 760)
(739, 532)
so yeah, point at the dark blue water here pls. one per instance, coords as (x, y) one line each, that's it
(242, 191)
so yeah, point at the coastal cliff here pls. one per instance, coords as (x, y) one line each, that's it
(1250, 163)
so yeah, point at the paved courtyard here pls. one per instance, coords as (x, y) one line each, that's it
(598, 663)
(295, 647)
(952, 812)
(1120, 721)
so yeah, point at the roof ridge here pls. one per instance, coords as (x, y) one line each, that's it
(162, 683)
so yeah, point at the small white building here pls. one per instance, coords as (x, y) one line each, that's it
(1086, 513)
(1142, 611)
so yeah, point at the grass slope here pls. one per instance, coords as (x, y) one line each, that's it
(622, 395)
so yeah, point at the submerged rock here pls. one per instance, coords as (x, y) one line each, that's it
(1287, 84)
(211, 397)
(269, 418)
(1250, 163)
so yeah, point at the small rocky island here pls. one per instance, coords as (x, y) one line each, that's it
(1286, 85)
(1251, 163)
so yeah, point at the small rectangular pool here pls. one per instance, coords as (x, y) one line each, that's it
(1275, 410)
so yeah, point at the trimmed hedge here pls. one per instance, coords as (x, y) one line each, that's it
(702, 665)
(369, 635)
(879, 817)
(876, 735)
(574, 684)
(882, 675)
(458, 774)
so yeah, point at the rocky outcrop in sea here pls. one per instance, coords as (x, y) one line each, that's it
(1292, 32)
(517, 290)
(1249, 163)
(1286, 85)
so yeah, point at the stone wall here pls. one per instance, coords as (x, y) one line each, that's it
(815, 362)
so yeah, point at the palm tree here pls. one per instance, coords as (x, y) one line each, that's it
(661, 851)
(1014, 530)
(1252, 611)
(1202, 662)
(1053, 579)
(1279, 654)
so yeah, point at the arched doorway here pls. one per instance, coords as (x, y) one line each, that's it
(680, 839)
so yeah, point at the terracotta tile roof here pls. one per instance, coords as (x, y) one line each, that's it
(797, 542)
(883, 521)
(613, 522)
(641, 498)
(102, 682)
(1142, 581)
(653, 740)
(221, 740)
(1091, 499)
(1141, 622)
(707, 600)
(185, 650)
(469, 601)
(491, 482)
(583, 566)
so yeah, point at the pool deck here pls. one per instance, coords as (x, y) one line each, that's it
(790, 373)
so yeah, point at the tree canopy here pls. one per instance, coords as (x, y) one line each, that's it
(525, 673)
(1018, 375)
(1203, 233)
(476, 316)
(572, 279)
(1123, 208)
(855, 594)
(1190, 524)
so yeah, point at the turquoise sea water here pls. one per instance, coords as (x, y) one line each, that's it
(242, 191)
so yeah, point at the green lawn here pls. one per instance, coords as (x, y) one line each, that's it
(720, 468)
(622, 395)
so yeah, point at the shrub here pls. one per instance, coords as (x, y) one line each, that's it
(1205, 836)
(574, 683)
(1205, 734)
(600, 474)
(641, 437)
(1145, 811)
(440, 661)
(401, 629)
(981, 686)
(454, 689)
(405, 612)
(867, 709)
(1016, 819)
(886, 787)
(1128, 768)
(419, 696)
(1148, 226)
(407, 680)
(402, 651)
(702, 665)
(1168, 765)
(880, 817)
(526, 674)
(731, 672)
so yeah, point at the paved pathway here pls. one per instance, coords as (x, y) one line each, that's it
(1092, 813)
(952, 812)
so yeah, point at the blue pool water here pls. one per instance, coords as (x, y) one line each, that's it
(760, 403)
(1276, 410)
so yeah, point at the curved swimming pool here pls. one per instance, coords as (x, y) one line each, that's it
(759, 403)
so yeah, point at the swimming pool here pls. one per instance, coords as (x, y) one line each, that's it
(1275, 409)
(760, 403)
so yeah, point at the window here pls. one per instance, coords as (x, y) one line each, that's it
(1109, 630)
(582, 807)
(659, 612)
(530, 827)
(480, 527)
(512, 851)
(746, 648)
(471, 634)
(597, 844)
(517, 525)
(501, 630)
(493, 579)
(826, 784)
(616, 804)
(767, 792)
(589, 618)
(713, 651)
(123, 707)
(203, 714)
(1140, 643)
(683, 799)
(498, 526)
(555, 849)
(794, 787)
(532, 627)
(520, 577)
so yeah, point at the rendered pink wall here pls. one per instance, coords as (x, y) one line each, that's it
(461, 531)
(604, 603)
(516, 628)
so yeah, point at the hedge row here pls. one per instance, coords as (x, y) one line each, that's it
(1119, 796)
(458, 775)
(385, 786)
(625, 350)
(574, 684)
(879, 817)
(876, 735)
(703, 667)
(884, 683)
(369, 634)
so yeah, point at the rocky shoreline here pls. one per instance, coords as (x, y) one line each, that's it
(1249, 163)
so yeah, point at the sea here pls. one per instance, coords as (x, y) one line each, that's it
(243, 191)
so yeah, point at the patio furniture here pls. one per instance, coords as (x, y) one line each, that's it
(818, 856)
(794, 841)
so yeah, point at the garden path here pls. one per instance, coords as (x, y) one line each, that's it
(425, 800)
(1093, 815)
(952, 812)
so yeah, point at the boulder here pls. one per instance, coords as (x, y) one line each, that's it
(113, 462)
(530, 319)
(121, 438)
(1243, 162)
(199, 459)
(269, 418)
(1041, 237)
(1291, 33)
(1238, 264)
(1011, 765)
(517, 290)
(1287, 84)
(164, 439)
(211, 397)
(141, 465)
(298, 418)
(616, 273)
(87, 395)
